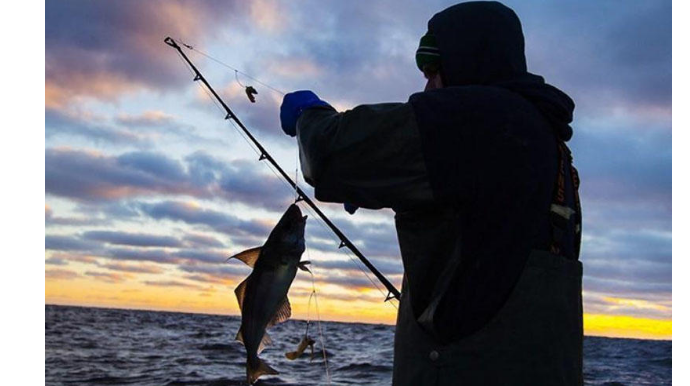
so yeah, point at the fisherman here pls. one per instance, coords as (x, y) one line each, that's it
(485, 195)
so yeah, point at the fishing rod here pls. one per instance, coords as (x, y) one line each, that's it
(301, 196)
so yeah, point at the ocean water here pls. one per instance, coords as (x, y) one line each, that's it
(98, 346)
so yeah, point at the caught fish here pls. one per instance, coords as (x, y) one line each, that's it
(262, 297)
(306, 342)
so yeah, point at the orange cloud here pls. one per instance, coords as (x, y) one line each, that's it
(108, 277)
(635, 303)
(267, 15)
(134, 268)
(61, 274)
(73, 87)
(74, 256)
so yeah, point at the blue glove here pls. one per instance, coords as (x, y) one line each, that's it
(294, 104)
(349, 208)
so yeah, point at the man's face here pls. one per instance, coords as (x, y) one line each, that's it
(433, 75)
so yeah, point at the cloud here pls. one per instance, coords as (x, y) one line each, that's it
(624, 288)
(371, 238)
(139, 268)
(350, 267)
(609, 305)
(638, 171)
(104, 50)
(205, 255)
(350, 282)
(374, 60)
(107, 277)
(52, 220)
(138, 247)
(172, 283)
(195, 215)
(133, 239)
(240, 180)
(620, 58)
(261, 119)
(92, 177)
(637, 272)
(217, 268)
(68, 243)
(615, 61)
(144, 131)
(137, 254)
(61, 274)
(62, 123)
(56, 261)
(66, 257)
(210, 279)
(199, 240)
(148, 118)
(75, 221)
(268, 15)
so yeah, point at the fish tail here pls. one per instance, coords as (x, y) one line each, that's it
(256, 367)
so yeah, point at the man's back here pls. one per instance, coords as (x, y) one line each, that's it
(487, 214)
(492, 159)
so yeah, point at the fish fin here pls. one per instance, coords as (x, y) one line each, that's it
(249, 257)
(284, 312)
(239, 292)
(265, 341)
(238, 337)
(303, 266)
(257, 368)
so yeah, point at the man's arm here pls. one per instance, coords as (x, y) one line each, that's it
(369, 156)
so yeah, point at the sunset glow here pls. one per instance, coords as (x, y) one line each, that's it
(148, 189)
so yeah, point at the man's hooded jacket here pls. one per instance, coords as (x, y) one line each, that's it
(482, 149)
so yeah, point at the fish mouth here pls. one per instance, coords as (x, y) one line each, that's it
(294, 215)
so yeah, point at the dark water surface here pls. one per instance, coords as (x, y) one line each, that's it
(117, 347)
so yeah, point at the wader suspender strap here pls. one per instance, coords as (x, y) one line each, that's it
(560, 213)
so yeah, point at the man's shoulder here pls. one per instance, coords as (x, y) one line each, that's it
(475, 118)
(471, 95)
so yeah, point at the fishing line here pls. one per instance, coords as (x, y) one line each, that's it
(306, 331)
(323, 225)
(296, 174)
(215, 103)
(237, 79)
(191, 48)
(320, 221)
(318, 321)
(313, 282)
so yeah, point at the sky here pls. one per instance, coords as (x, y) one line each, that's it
(148, 189)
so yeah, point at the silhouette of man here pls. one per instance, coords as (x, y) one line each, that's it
(487, 211)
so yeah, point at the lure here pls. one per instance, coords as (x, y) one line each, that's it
(306, 342)
(251, 91)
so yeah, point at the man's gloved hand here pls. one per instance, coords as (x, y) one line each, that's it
(349, 208)
(294, 104)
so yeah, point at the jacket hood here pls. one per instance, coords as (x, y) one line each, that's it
(481, 43)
